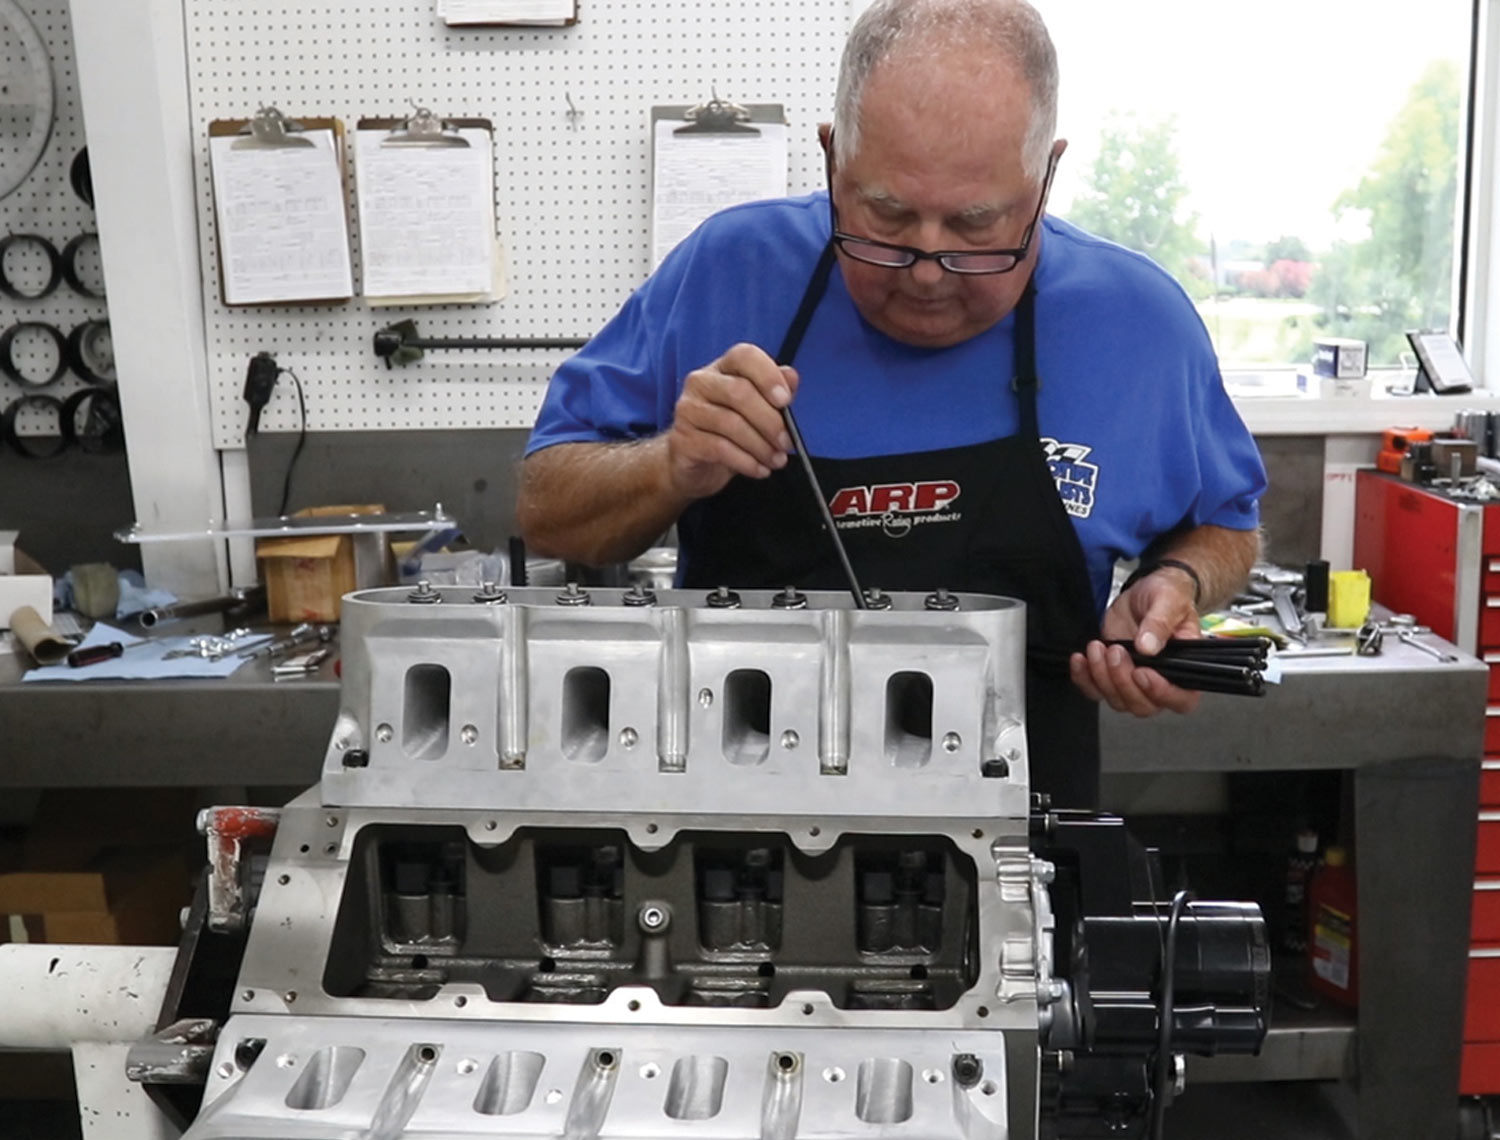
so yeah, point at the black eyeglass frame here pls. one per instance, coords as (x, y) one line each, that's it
(947, 258)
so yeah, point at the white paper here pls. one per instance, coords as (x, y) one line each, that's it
(506, 11)
(17, 590)
(282, 231)
(426, 216)
(698, 174)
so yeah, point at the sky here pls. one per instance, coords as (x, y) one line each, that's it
(1281, 104)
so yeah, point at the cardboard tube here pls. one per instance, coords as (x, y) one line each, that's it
(42, 641)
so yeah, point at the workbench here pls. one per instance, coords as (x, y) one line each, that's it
(1408, 726)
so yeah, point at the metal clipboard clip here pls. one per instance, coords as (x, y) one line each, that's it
(270, 130)
(717, 117)
(424, 128)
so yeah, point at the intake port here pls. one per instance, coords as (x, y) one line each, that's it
(908, 720)
(326, 1079)
(696, 1091)
(747, 716)
(509, 1083)
(585, 727)
(429, 693)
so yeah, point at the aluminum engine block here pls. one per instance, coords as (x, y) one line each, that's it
(615, 864)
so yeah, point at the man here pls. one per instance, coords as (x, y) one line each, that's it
(994, 401)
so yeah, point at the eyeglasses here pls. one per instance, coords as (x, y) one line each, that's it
(972, 262)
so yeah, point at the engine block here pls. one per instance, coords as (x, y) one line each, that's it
(610, 863)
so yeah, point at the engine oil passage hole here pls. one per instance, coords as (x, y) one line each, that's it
(634, 1006)
(786, 1062)
(908, 720)
(747, 716)
(585, 727)
(983, 1011)
(807, 1010)
(424, 721)
(605, 1059)
(427, 1054)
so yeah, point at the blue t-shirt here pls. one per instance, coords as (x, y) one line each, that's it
(1140, 433)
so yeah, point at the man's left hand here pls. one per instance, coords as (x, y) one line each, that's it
(1157, 607)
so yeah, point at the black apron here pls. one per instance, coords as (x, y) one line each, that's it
(1012, 536)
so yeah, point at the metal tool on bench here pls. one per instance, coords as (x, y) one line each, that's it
(303, 634)
(1406, 630)
(241, 601)
(1281, 587)
(93, 654)
(215, 647)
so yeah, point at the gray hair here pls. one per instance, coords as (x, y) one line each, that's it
(890, 28)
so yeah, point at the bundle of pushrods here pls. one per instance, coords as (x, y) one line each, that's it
(1234, 665)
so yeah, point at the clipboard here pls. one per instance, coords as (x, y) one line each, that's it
(425, 194)
(708, 156)
(270, 254)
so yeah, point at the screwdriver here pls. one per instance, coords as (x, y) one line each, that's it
(105, 651)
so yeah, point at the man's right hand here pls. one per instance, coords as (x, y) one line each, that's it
(728, 422)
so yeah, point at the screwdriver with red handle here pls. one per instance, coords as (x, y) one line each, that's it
(105, 651)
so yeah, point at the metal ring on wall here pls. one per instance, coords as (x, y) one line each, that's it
(82, 178)
(8, 426)
(104, 426)
(87, 360)
(54, 261)
(8, 363)
(70, 266)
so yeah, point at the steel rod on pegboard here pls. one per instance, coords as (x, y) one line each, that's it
(401, 344)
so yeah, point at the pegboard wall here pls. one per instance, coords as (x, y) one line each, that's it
(45, 205)
(571, 108)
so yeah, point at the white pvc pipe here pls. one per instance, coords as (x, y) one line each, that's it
(55, 996)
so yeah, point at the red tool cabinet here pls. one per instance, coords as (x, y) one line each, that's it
(1439, 559)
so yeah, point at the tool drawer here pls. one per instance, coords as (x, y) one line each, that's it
(1487, 911)
(1479, 1072)
(1487, 861)
(1482, 1006)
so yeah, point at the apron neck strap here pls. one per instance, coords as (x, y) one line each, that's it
(817, 285)
(1025, 381)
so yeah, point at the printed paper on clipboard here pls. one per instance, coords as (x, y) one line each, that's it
(426, 207)
(508, 13)
(283, 235)
(705, 163)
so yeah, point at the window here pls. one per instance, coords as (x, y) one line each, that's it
(1295, 164)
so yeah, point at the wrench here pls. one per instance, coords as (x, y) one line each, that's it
(1410, 638)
